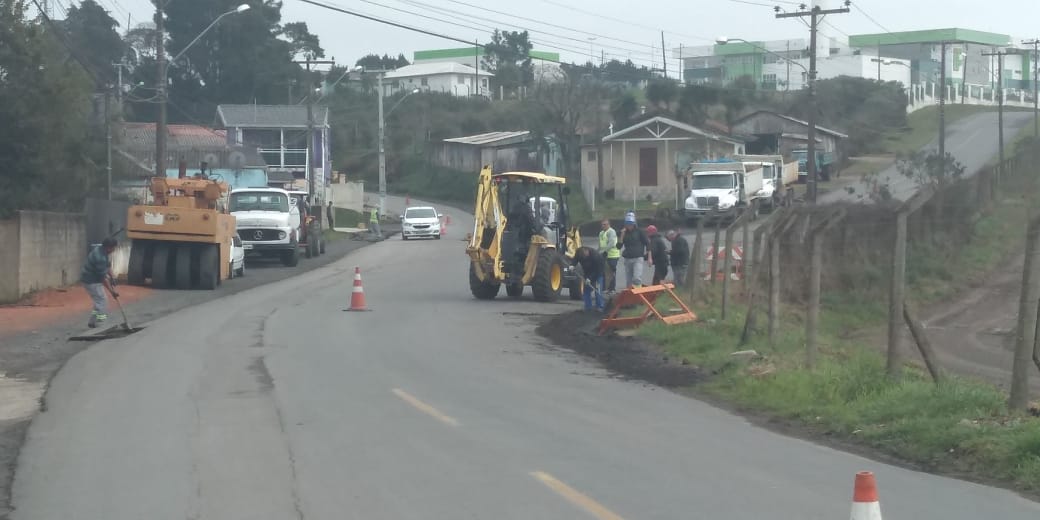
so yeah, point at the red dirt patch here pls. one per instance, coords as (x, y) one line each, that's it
(56, 305)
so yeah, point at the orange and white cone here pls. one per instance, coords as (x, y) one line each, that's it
(865, 505)
(357, 294)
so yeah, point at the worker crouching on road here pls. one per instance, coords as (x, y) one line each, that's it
(658, 254)
(608, 247)
(96, 277)
(593, 267)
(680, 257)
(635, 250)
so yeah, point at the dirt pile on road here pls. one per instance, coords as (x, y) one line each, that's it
(628, 357)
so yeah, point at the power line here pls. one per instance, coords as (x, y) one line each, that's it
(871, 18)
(454, 12)
(68, 47)
(545, 23)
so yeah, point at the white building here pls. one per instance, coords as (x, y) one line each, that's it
(446, 77)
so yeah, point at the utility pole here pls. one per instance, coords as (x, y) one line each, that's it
(815, 14)
(664, 56)
(382, 149)
(160, 59)
(311, 188)
(1000, 105)
(1035, 42)
(942, 107)
(108, 143)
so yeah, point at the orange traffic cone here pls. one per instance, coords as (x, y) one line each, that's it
(357, 294)
(865, 505)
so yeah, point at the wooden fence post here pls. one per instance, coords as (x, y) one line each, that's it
(715, 248)
(696, 261)
(923, 345)
(812, 319)
(1026, 328)
(897, 289)
(727, 262)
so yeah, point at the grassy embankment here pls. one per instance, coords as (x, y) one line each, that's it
(961, 427)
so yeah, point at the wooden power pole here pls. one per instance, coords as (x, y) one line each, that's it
(815, 15)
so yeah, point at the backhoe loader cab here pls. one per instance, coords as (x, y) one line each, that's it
(522, 236)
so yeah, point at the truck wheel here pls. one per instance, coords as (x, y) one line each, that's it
(209, 267)
(162, 274)
(182, 266)
(291, 258)
(481, 290)
(548, 276)
(135, 273)
(321, 245)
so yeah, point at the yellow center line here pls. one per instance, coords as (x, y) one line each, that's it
(576, 497)
(425, 408)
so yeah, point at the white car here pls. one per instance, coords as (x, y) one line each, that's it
(420, 221)
(238, 257)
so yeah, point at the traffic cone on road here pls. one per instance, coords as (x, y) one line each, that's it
(865, 505)
(357, 294)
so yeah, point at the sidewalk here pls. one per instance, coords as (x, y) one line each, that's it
(55, 306)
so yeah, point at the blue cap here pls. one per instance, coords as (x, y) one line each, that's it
(630, 218)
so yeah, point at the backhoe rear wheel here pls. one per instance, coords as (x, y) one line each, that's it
(515, 290)
(481, 290)
(548, 276)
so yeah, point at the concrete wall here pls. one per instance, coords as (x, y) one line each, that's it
(52, 247)
(348, 195)
(9, 260)
(42, 250)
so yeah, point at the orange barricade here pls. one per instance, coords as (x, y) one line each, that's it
(645, 296)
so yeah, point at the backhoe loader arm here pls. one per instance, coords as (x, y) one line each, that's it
(488, 221)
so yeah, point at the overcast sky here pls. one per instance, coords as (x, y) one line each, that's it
(623, 29)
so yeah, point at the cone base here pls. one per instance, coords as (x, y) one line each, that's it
(866, 511)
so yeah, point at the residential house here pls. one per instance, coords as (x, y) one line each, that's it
(769, 132)
(504, 151)
(545, 65)
(188, 147)
(447, 77)
(643, 161)
(280, 134)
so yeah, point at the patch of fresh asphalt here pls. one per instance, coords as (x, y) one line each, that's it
(31, 359)
(182, 421)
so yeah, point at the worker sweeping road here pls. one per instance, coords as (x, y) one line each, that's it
(635, 250)
(96, 277)
(593, 268)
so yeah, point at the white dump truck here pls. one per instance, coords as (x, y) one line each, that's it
(723, 189)
(778, 178)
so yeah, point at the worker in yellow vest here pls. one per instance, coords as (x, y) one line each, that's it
(373, 222)
(609, 249)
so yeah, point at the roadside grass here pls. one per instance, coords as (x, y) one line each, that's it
(346, 218)
(961, 427)
(423, 179)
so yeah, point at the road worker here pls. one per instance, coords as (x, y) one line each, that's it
(658, 255)
(593, 267)
(635, 250)
(608, 248)
(96, 277)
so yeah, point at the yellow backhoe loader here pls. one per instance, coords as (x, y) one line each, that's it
(522, 237)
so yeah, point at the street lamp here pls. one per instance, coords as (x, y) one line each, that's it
(163, 65)
(382, 134)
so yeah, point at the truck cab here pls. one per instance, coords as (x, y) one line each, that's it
(823, 164)
(268, 223)
(724, 189)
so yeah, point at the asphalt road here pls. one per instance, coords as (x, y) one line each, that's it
(275, 403)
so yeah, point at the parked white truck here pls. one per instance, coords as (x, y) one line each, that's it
(268, 223)
(724, 189)
(777, 178)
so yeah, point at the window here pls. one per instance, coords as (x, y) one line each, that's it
(259, 201)
(592, 155)
(425, 82)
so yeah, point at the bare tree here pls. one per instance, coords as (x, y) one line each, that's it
(566, 110)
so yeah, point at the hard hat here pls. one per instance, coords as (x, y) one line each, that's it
(651, 229)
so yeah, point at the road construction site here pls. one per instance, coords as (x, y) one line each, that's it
(267, 400)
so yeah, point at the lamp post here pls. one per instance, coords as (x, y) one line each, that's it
(382, 134)
(163, 65)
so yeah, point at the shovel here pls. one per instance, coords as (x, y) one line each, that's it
(126, 322)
